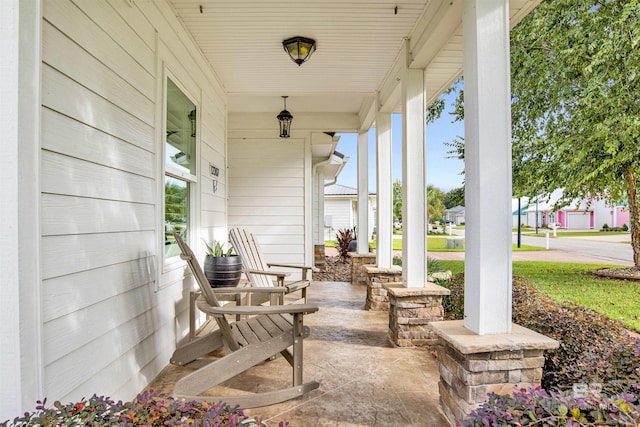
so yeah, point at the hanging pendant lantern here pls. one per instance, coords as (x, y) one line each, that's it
(285, 118)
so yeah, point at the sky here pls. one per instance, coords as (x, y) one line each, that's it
(442, 172)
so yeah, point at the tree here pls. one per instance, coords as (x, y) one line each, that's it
(435, 207)
(454, 198)
(575, 106)
(575, 80)
(397, 200)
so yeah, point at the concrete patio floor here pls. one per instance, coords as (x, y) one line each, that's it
(364, 381)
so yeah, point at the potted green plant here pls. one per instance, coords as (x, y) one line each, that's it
(222, 268)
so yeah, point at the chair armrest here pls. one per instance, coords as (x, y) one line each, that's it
(303, 267)
(267, 273)
(233, 290)
(255, 310)
(296, 286)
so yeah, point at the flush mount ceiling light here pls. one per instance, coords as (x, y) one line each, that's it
(299, 48)
(285, 118)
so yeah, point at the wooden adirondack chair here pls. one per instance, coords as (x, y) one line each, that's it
(259, 272)
(270, 330)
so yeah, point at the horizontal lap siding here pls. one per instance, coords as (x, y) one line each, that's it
(106, 329)
(266, 195)
(340, 212)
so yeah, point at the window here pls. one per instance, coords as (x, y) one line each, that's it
(179, 166)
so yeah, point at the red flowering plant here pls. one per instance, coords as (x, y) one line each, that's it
(344, 237)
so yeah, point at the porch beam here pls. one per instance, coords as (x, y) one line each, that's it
(414, 266)
(249, 124)
(487, 112)
(384, 197)
(363, 193)
(367, 112)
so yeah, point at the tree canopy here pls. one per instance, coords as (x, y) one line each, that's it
(397, 200)
(435, 207)
(454, 198)
(575, 107)
(575, 86)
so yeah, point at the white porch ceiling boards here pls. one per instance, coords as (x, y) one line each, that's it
(358, 49)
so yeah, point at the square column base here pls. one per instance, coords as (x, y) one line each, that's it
(319, 255)
(358, 261)
(411, 310)
(472, 366)
(377, 298)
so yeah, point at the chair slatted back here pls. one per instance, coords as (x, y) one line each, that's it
(198, 273)
(246, 245)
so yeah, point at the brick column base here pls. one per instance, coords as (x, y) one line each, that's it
(319, 256)
(471, 365)
(358, 261)
(410, 312)
(377, 298)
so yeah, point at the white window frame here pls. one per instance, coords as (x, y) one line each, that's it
(167, 266)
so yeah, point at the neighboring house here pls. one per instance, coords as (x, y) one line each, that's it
(455, 214)
(580, 214)
(341, 210)
(614, 215)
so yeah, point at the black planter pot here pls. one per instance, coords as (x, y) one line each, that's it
(223, 271)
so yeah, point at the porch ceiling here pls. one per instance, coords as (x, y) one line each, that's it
(358, 49)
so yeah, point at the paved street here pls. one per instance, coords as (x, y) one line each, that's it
(609, 248)
(613, 249)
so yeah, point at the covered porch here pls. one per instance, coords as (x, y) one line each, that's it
(365, 381)
(116, 109)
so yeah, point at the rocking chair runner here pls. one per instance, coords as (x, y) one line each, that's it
(258, 270)
(271, 330)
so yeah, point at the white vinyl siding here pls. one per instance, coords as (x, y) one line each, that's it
(267, 195)
(107, 326)
(341, 212)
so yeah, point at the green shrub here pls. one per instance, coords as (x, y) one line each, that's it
(592, 346)
(433, 265)
(625, 227)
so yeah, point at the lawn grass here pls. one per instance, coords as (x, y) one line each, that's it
(617, 299)
(438, 244)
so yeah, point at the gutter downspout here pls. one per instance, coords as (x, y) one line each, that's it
(319, 237)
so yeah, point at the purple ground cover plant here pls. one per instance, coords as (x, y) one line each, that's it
(537, 407)
(147, 409)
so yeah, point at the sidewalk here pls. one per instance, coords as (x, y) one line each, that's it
(549, 255)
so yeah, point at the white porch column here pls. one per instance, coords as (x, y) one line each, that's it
(487, 114)
(20, 322)
(363, 193)
(414, 211)
(384, 198)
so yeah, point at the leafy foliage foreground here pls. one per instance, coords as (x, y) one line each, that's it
(147, 409)
(537, 407)
(593, 348)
